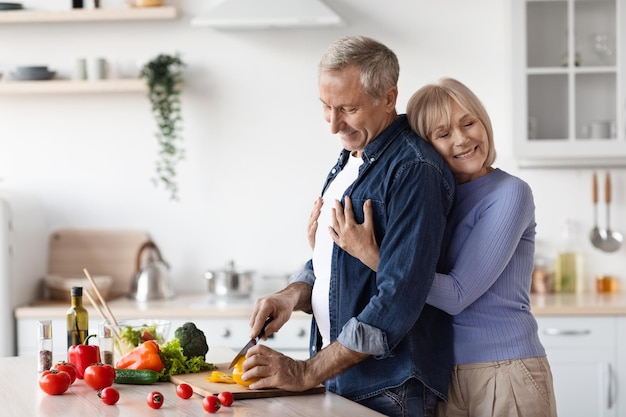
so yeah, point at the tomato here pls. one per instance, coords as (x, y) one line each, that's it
(109, 395)
(67, 367)
(211, 404)
(238, 371)
(146, 335)
(99, 375)
(54, 382)
(184, 391)
(155, 399)
(226, 398)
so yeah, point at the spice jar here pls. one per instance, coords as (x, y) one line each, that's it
(44, 346)
(105, 341)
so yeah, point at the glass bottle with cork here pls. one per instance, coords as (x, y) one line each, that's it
(77, 319)
(568, 269)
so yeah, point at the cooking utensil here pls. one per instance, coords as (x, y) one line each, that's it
(613, 239)
(251, 343)
(229, 282)
(150, 281)
(108, 316)
(597, 236)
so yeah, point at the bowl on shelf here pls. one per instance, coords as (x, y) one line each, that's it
(134, 332)
(31, 73)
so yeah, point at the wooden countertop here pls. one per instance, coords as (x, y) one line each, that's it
(205, 306)
(22, 397)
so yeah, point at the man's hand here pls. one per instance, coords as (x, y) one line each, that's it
(279, 306)
(311, 227)
(279, 371)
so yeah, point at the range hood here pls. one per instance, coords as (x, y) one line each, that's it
(265, 14)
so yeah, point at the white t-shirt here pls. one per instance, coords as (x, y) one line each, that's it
(322, 254)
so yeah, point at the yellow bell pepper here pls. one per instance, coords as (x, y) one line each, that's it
(221, 377)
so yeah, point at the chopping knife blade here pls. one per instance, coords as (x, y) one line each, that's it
(251, 343)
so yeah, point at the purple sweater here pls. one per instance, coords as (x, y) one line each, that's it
(486, 270)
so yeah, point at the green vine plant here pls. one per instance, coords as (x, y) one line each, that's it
(164, 76)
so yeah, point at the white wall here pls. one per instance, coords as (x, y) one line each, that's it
(257, 147)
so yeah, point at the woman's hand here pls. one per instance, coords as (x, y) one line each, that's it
(358, 240)
(311, 227)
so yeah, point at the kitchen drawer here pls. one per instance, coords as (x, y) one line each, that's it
(235, 333)
(577, 332)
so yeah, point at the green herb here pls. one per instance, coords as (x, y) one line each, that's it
(164, 77)
(177, 363)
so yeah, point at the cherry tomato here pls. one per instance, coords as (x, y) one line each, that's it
(184, 391)
(146, 335)
(99, 375)
(67, 367)
(109, 395)
(226, 398)
(211, 404)
(54, 382)
(155, 399)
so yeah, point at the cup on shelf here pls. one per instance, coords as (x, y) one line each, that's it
(599, 129)
(80, 69)
(97, 69)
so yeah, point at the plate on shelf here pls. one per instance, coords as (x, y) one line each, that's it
(33, 76)
(11, 6)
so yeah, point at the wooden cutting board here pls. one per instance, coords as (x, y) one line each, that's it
(102, 252)
(204, 387)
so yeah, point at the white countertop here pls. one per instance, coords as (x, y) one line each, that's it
(22, 397)
(205, 306)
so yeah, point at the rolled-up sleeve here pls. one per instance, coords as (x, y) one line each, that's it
(363, 338)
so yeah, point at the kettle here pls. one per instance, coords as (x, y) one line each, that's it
(150, 280)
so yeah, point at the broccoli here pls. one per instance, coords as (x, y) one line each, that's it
(192, 340)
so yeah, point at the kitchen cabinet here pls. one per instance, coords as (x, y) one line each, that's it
(569, 92)
(583, 356)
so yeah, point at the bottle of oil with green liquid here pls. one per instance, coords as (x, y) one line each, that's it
(569, 266)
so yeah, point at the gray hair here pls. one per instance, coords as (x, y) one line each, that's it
(378, 64)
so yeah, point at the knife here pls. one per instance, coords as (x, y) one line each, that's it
(251, 343)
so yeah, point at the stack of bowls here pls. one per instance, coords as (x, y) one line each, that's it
(30, 73)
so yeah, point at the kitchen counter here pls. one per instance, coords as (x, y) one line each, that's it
(21, 397)
(205, 306)
(588, 304)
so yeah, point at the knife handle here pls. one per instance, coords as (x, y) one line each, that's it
(262, 332)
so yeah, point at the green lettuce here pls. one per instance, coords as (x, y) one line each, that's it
(177, 363)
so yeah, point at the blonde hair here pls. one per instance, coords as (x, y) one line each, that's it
(429, 105)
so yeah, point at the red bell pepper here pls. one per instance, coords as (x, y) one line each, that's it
(81, 356)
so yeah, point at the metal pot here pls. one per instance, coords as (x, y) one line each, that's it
(229, 282)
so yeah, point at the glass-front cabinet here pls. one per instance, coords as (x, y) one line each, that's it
(569, 96)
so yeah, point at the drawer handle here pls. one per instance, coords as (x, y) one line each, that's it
(560, 332)
(225, 333)
(301, 333)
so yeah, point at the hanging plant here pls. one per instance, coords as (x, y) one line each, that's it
(165, 78)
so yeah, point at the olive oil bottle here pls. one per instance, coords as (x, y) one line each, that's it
(77, 319)
(568, 269)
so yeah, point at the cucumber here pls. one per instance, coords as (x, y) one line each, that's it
(135, 376)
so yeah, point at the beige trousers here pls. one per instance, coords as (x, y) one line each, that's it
(513, 388)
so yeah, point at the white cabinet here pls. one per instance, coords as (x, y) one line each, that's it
(569, 94)
(583, 356)
(232, 332)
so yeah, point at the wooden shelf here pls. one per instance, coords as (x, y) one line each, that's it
(87, 15)
(73, 87)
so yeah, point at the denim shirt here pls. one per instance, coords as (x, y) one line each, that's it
(384, 313)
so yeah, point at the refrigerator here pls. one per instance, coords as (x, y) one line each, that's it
(23, 260)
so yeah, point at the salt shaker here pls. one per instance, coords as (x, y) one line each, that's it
(45, 346)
